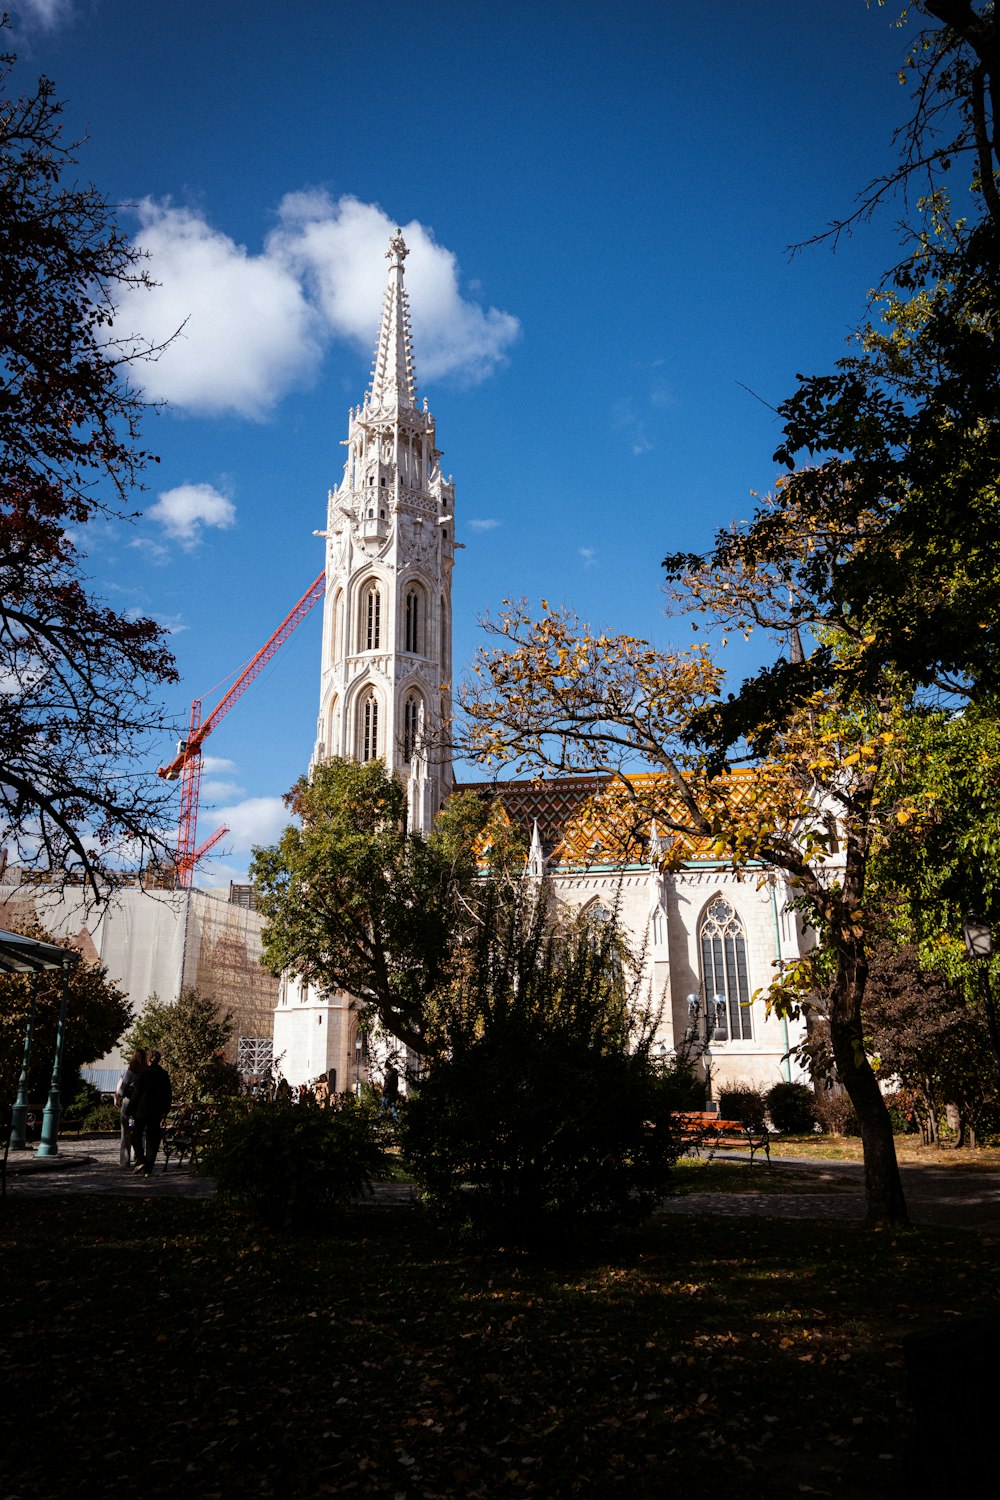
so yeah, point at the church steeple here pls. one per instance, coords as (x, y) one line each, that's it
(393, 380)
(385, 691)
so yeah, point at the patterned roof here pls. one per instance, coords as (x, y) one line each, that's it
(581, 820)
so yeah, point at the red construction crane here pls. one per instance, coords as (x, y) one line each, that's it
(186, 764)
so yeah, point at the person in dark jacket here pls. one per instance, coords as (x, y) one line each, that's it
(127, 1085)
(150, 1104)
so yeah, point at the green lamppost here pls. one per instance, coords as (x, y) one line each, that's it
(49, 1143)
(19, 1114)
(979, 945)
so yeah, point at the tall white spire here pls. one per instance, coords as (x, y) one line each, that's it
(385, 689)
(393, 379)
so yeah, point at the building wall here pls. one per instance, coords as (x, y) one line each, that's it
(158, 942)
(662, 916)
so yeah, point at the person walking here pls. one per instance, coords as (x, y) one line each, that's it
(127, 1085)
(390, 1093)
(150, 1105)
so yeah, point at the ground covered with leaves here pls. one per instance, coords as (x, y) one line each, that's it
(168, 1342)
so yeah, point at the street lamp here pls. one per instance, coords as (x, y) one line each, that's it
(979, 945)
(707, 1026)
(48, 1145)
(19, 1115)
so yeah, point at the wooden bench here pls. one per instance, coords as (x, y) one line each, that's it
(700, 1128)
(185, 1135)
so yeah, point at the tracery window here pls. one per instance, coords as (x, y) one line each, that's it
(371, 618)
(369, 728)
(414, 621)
(724, 965)
(411, 726)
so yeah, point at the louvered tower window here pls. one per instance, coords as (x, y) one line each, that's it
(372, 618)
(369, 728)
(411, 726)
(724, 963)
(414, 632)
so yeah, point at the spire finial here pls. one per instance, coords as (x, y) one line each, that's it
(397, 251)
(393, 380)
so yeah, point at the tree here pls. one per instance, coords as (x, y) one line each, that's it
(553, 697)
(78, 706)
(97, 1013)
(894, 458)
(930, 1035)
(193, 1036)
(352, 902)
(543, 1093)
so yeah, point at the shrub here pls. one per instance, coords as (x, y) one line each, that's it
(682, 1084)
(544, 1128)
(835, 1113)
(901, 1111)
(792, 1108)
(294, 1165)
(93, 1112)
(745, 1103)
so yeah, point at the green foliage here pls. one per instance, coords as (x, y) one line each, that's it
(931, 1034)
(352, 902)
(91, 1110)
(543, 1097)
(97, 1013)
(900, 1104)
(791, 1107)
(745, 1103)
(192, 1036)
(682, 1084)
(295, 1165)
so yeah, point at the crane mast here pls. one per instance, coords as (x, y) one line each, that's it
(186, 764)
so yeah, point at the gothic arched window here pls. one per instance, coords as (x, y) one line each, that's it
(369, 728)
(411, 726)
(371, 618)
(724, 965)
(337, 626)
(413, 635)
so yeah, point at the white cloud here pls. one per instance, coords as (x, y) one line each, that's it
(589, 555)
(213, 764)
(252, 326)
(215, 791)
(255, 820)
(486, 524)
(46, 13)
(185, 510)
(338, 248)
(242, 332)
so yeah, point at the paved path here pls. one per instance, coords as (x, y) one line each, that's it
(949, 1197)
(91, 1166)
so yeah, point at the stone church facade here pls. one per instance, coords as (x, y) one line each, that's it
(710, 938)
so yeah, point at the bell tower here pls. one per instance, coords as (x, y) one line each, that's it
(385, 687)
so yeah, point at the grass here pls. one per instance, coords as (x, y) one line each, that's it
(909, 1151)
(715, 1175)
(174, 1344)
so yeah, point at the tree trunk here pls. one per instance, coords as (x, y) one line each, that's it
(885, 1203)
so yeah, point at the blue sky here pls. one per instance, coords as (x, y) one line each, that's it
(598, 198)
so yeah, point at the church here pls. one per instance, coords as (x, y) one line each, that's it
(710, 937)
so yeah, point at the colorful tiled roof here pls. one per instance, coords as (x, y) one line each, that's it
(581, 821)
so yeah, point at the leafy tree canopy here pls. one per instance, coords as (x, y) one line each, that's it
(354, 903)
(79, 705)
(97, 1013)
(193, 1035)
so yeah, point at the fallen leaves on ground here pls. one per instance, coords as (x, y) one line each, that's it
(175, 1344)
